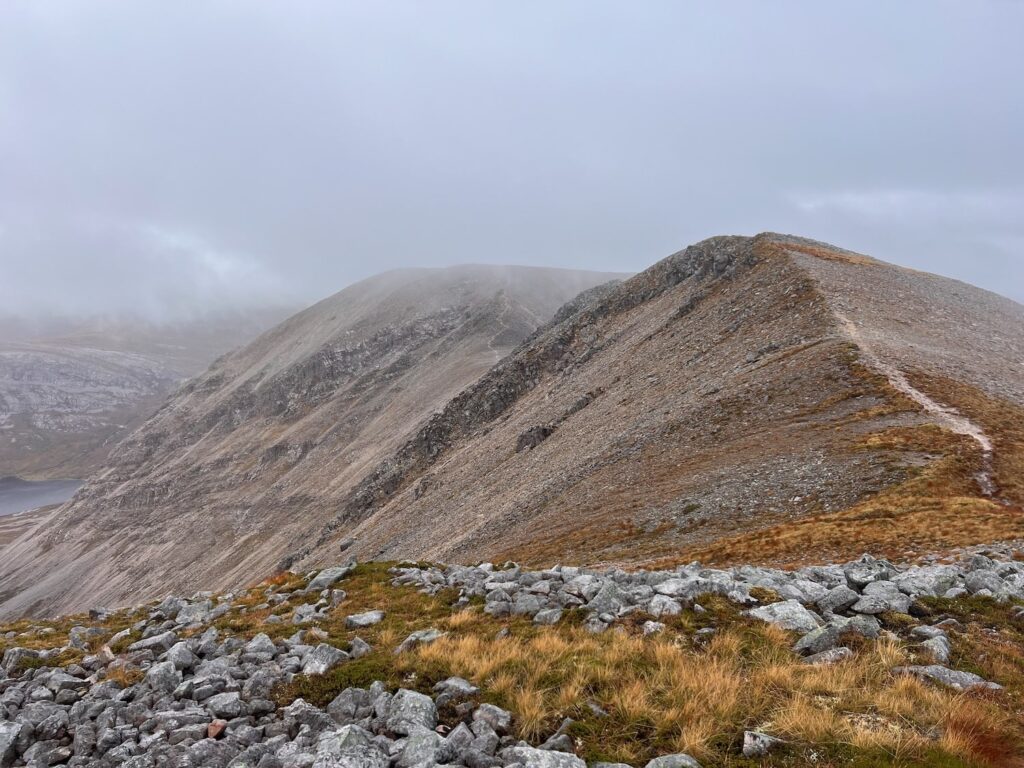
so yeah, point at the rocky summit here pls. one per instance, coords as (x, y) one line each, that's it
(489, 666)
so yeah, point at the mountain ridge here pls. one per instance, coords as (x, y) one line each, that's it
(711, 405)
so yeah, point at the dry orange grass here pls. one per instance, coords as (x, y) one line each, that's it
(664, 693)
(830, 254)
(938, 508)
(124, 675)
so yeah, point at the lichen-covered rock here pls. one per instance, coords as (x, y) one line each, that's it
(757, 744)
(329, 577)
(673, 761)
(789, 614)
(362, 620)
(322, 659)
(540, 758)
(961, 681)
(409, 710)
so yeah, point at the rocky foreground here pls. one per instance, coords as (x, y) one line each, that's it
(351, 667)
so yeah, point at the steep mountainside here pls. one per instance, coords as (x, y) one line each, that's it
(248, 460)
(71, 391)
(768, 397)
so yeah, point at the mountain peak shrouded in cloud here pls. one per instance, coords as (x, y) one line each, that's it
(160, 160)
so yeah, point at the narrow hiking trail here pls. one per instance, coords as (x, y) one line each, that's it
(945, 416)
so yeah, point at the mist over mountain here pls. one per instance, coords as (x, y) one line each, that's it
(71, 388)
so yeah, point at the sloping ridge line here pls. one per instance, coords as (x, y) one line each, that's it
(511, 378)
(542, 352)
(719, 258)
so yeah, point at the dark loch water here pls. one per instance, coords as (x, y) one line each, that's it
(17, 495)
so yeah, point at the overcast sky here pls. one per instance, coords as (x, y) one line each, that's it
(163, 156)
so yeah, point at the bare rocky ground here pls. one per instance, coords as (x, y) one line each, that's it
(280, 675)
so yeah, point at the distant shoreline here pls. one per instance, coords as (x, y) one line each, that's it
(18, 495)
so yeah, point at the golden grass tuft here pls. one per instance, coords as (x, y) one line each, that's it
(664, 693)
(123, 674)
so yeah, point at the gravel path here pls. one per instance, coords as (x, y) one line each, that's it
(945, 416)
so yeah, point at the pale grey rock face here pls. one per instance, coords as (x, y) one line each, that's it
(160, 642)
(163, 677)
(867, 570)
(225, 705)
(548, 616)
(328, 577)
(789, 614)
(195, 613)
(888, 593)
(663, 605)
(10, 734)
(361, 620)
(322, 659)
(409, 710)
(673, 761)
(263, 645)
(181, 656)
(956, 679)
(497, 718)
(424, 747)
(979, 580)
(838, 598)
(930, 580)
(870, 605)
(609, 599)
(540, 758)
(938, 648)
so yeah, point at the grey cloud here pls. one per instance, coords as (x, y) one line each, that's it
(164, 157)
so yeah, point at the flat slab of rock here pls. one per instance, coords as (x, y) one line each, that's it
(789, 614)
(328, 577)
(360, 620)
(960, 681)
(673, 761)
(157, 643)
(541, 758)
(322, 659)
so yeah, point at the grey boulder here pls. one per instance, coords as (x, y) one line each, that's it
(409, 710)
(789, 614)
(321, 659)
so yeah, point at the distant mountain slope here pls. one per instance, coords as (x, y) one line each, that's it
(69, 394)
(249, 459)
